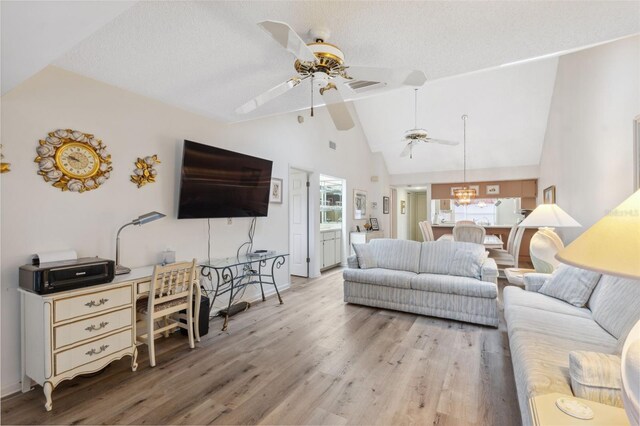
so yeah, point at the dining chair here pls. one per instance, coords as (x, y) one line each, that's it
(469, 233)
(427, 230)
(172, 290)
(465, 222)
(509, 258)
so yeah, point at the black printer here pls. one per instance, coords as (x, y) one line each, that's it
(66, 275)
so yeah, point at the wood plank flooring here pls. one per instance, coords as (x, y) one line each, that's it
(314, 360)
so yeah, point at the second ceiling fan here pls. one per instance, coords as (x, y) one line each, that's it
(324, 64)
(416, 136)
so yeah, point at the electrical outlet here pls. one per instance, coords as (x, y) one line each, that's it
(229, 221)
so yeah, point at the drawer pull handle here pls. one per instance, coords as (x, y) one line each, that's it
(92, 327)
(94, 352)
(93, 303)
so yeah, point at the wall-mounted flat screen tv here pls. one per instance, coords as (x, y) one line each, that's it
(215, 182)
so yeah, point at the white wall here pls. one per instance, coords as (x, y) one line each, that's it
(37, 217)
(588, 148)
(403, 219)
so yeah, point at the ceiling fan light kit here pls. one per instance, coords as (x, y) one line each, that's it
(324, 64)
(465, 195)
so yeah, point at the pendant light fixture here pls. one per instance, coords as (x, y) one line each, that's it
(463, 196)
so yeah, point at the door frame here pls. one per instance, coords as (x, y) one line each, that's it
(309, 233)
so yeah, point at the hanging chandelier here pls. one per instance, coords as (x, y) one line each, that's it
(465, 195)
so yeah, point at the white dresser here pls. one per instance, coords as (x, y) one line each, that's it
(363, 237)
(79, 331)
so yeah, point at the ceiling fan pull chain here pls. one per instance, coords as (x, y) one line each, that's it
(312, 95)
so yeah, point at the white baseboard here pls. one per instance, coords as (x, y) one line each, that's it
(10, 389)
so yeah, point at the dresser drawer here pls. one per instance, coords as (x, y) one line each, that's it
(91, 303)
(91, 327)
(143, 287)
(81, 355)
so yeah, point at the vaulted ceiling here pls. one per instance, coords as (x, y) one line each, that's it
(210, 57)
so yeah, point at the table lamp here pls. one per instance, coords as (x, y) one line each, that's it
(546, 243)
(612, 247)
(141, 220)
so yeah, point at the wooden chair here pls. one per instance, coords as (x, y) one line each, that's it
(465, 222)
(427, 230)
(172, 290)
(469, 233)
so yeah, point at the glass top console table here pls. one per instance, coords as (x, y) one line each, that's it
(233, 274)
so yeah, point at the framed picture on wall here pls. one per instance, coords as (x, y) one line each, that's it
(493, 189)
(275, 195)
(403, 207)
(385, 205)
(374, 224)
(549, 195)
(359, 204)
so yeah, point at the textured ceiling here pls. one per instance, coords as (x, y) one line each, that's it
(210, 57)
(507, 112)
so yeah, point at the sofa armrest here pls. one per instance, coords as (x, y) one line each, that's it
(490, 271)
(534, 280)
(352, 262)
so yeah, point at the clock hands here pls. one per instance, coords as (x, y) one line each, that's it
(71, 157)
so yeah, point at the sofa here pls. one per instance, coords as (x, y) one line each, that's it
(446, 279)
(547, 335)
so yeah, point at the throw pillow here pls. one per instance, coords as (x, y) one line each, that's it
(573, 285)
(365, 255)
(596, 376)
(467, 263)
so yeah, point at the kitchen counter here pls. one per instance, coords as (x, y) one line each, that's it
(327, 228)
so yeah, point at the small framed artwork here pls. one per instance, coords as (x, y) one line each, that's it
(385, 205)
(493, 189)
(549, 195)
(374, 224)
(403, 206)
(275, 195)
(359, 204)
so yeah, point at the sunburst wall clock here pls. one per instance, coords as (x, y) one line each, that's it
(73, 161)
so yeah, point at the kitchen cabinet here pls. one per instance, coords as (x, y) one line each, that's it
(331, 249)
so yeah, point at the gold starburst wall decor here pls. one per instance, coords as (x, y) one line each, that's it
(145, 171)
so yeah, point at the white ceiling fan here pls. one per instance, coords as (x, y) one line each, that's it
(324, 64)
(416, 136)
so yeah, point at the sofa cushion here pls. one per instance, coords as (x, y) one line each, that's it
(515, 296)
(366, 256)
(467, 263)
(573, 285)
(379, 276)
(437, 256)
(615, 304)
(449, 284)
(401, 255)
(596, 376)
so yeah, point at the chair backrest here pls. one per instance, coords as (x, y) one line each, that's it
(465, 222)
(515, 245)
(427, 230)
(469, 233)
(512, 235)
(172, 281)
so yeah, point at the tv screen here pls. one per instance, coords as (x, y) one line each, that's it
(215, 182)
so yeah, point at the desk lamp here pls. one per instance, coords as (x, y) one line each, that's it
(141, 220)
(612, 247)
(546, 243)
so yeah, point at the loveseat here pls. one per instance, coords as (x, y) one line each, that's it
(446, 279)
(547, 335)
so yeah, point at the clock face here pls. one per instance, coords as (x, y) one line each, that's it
(77, 160)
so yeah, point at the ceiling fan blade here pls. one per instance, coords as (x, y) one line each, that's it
(337, 108)
(442, 142)
(270, 94)
(392, 77)
(289, 39)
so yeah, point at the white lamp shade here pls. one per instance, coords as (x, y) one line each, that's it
(549, 216)
(612, 245)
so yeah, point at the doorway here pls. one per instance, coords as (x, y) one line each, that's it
(417, 213)
(332, 197)
(299, 222)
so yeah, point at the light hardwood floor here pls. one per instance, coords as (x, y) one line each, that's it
(313, 360)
